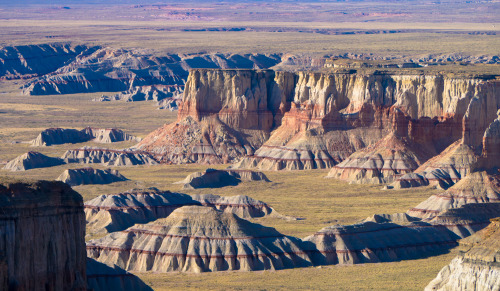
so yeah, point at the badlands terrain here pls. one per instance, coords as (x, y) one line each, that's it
(250, 145)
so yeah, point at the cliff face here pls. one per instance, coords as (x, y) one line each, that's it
(283, 120)
(42, 242)
(477, 267)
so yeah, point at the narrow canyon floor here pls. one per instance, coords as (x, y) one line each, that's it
(307, 195)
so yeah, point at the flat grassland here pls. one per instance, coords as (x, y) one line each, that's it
(304, 194)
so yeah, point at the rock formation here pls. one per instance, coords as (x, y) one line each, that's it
(115, 212)
(52, 136)
(101, 277)
(478, 187)
(241, 205)
(108, 157)
(86, 176)
(476, 267)
(319, 119)
(29, 61)
(42, 242)
(225, 114)
(113, 70)
(32, 160)
(371, 242)
(166, 96)
(212, 178)
(199, 239)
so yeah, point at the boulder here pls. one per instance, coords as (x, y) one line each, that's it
(43, 237)
(32, 160)
(86, 176)
(199, 239)
(212, 178)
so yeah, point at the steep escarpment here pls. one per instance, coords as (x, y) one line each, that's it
(86, 176)
(42, 241)
(225, 114)
(36, 60)
(476, 267)
(318, 120)
(114, 212)
(212, 178)
(199, 239)
(112, 70)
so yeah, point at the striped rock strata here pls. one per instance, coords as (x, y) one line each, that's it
(86, 176)
(476, 267)
(478, 187)
(42, 242)
(212, 178)
(114, 212)
(109, 157)
(319, 119)
(199, 239)
(32, 160)
(53, 136)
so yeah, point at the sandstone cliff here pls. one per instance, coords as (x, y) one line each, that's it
(281, 120)
(476, 267)
(86, 176)
(32, 160)
(42, 242)
(199, 239)
(212, 178)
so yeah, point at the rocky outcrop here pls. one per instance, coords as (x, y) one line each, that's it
(32, 160)
(86, 176)
(241, 205)
(112, 70)
(371, 242)
(225, 115)
(53, 136)
(166, 96)
(212, 178)
(115, 212)
(108, 157)
(476, 267)
(319, 119)
(29, 61)
(42, 242)
(199, 239)
(101, 277)
(381, 162)
(478, 187)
